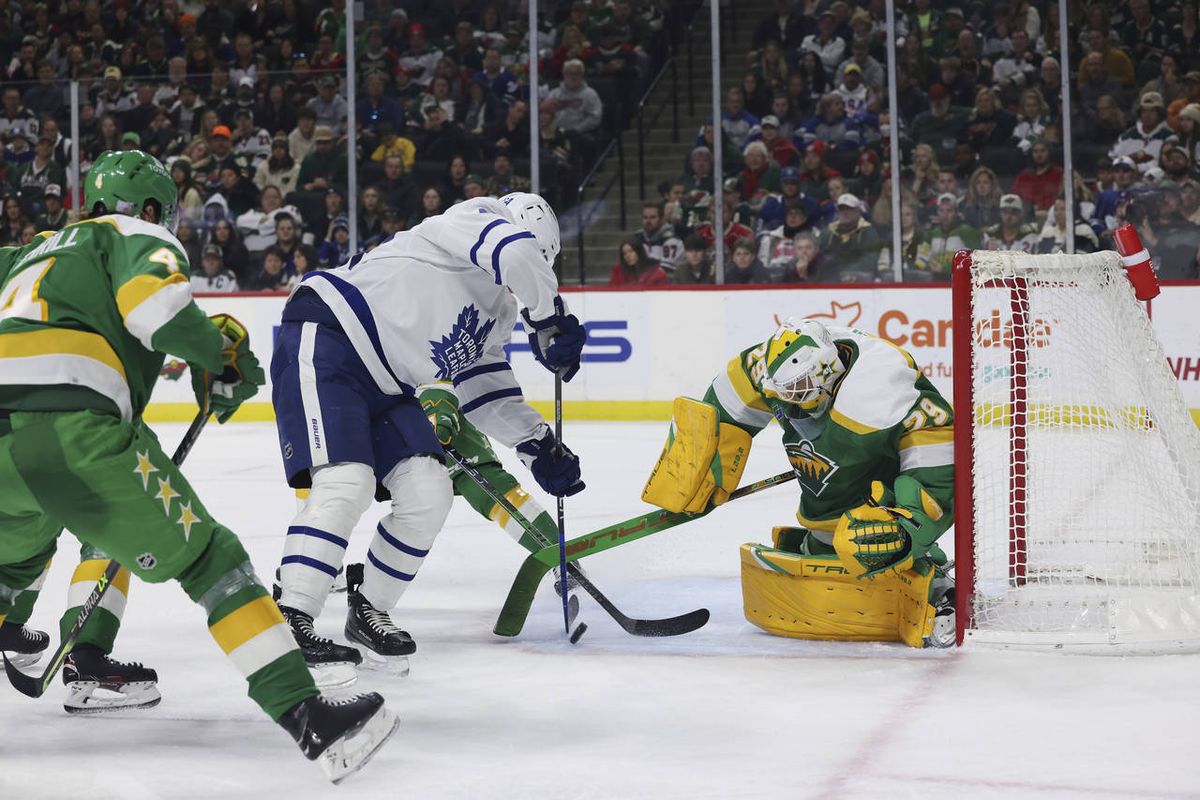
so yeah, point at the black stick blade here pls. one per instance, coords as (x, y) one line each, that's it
(672, 626)
(27, 685)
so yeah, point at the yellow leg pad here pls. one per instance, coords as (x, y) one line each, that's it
(812, 597)
(678, 480)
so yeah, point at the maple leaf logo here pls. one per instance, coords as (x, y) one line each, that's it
(843, 314)
(463, 346)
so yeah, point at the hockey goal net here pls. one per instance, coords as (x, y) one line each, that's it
(1077, 520)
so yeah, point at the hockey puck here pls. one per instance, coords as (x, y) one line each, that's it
(578, 633)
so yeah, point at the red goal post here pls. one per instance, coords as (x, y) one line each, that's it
(1077, 496)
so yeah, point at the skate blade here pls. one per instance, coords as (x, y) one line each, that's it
(89, 697)
(389, 665)
(351, 753)
(336, 675)
(22, 660)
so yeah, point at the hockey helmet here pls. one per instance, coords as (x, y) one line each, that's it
(122, 181)
(802, 365)
(534, 214)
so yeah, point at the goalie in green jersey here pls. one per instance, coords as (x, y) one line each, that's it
(86, 318)
(871, 442)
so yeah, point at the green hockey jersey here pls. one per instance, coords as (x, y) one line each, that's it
(87, 313)
(885, 419)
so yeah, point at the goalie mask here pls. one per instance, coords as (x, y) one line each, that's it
(802, 366)
(534, 214)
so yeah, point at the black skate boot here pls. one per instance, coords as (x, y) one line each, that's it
(941, 597)
(341, 735)
(97, 683)
(385, 645)
(332, 665)
(22, 646)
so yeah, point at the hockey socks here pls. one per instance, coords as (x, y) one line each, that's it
(102, 625)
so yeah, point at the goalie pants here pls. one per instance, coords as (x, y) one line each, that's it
(111, 485)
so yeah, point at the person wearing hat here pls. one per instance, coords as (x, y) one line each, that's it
(113, 99)
(778, 147)
(857, 97)
(869, 68)
(1188, 132)
(945, 37)
(851, 245)
(1143, 141)
(251, 142)
(131, 141)
(774, 208)
(759, 176)
(1012, 232)
(942, 125)
(32, 177)
(947, 236)
(776, 246)
(54, 215)
(335, 249)
(328, 105)
(325, 167)
(212, 277)
(1127, 183)
(826, 44)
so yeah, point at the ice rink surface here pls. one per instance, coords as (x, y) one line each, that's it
(725, 712)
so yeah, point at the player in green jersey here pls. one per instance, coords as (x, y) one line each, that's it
(86, 318)
(871, 442)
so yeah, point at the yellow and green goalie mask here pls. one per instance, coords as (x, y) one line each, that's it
(802, 366)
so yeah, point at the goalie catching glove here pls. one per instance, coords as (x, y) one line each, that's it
(554, 466)
(240, 378)
(890, 531)
(557, 341)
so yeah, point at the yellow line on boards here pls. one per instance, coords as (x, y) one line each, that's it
(612, 410)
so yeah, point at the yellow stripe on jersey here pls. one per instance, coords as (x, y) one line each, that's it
(140, 287)
(823, 525)
(849, 424)
(517, 496)
(61, 341)
(927, 436)
(744, 388)
(245, 623)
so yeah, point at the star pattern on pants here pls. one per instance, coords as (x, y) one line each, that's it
(144, 467)
(166, 494)
(187, 518)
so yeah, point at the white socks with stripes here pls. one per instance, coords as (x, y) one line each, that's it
(316, 542)
(421, 497)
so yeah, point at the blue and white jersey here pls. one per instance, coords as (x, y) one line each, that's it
(436, 303)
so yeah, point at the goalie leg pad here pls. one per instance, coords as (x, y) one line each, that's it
(703, 460)
(816, 597)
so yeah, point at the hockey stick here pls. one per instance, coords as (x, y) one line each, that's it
(36, 685)
(672, 626)
(520, 596)
(562, 519)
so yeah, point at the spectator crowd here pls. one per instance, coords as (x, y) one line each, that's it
(807, 178)
(246, 104)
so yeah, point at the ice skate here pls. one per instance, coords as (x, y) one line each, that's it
(341, 735)
(333, 666)
(941, 590)
(97, 683)
(21, 645)
(385, 645)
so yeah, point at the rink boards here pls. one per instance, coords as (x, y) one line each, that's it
(647, 347)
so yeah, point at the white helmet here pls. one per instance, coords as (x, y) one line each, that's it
(802, 365)
(534, 214)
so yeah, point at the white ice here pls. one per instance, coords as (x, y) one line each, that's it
(725, 712)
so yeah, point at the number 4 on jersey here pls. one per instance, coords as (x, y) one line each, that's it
(20, 297)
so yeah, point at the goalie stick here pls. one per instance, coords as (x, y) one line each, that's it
(672, 626)
(536, 565)
(36, 685)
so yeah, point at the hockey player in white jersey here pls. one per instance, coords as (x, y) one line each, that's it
(435, 303)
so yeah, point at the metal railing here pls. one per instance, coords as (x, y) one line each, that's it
(640, 118)
(617, 178)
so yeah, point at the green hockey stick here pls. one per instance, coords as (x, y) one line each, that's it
(536, 565)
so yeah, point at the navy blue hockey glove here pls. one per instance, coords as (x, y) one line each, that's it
(554, 466)
(557, 340)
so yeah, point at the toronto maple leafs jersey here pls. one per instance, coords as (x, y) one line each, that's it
(436, 303)
(885, 419)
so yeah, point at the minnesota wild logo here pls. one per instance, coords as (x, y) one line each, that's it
(812, 469)
(463, 346)
(173, 369)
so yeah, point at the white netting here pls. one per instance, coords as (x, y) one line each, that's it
(1086, 462)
